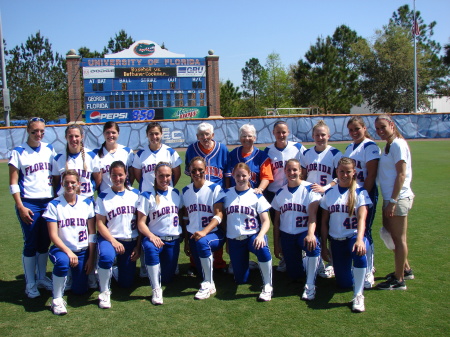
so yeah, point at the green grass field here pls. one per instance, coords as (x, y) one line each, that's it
(421, 310)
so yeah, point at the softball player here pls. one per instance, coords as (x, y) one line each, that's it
(366, 154)
(343, 222)
(30, 179)
(279, 152)
(145, 160)
(395, 175)
(217, 161)
(257, 160)
(247, 225)
(79, 158)
(111, 151)
(70, 219)
(159, 223)
(118, 235)
(203, 201)
(319, 168)
(295, 206)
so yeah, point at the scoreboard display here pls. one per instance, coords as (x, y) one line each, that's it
(136, 89)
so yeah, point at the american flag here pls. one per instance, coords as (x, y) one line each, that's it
(415, 28)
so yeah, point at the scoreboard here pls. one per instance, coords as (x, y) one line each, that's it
(136, 89)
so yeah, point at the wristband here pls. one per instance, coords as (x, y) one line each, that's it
(14, 189)
(393, 201)
(92, 238)
(185, 218)
(218, 218)
(326, 187)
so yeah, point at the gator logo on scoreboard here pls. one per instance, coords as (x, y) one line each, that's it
(144, 49)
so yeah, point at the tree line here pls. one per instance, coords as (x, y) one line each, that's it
(336, 73)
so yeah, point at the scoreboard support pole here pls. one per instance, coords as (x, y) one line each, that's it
(213, 85)
(74, 86)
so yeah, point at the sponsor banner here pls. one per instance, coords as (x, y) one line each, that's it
(136, 62)
(145, 72)
(185, 113)
(98, 72)
(122, 115)
(191, 71)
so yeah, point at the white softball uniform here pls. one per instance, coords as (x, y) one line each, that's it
(320, 165)
(146, 161)
(119, 208)
(72, 221)
(163, 216)
(341, 225)
(243, 209)
(293, 203)
(75, 162)
(362, 153)
(279, 157)
(124, 154)
(35, 170)
(199, 204)
(387, 173)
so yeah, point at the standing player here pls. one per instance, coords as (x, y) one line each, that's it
(280, 152)
(295, 206)
(145, 161)
(247, 225)
(217, 162)
(395, 175)
(319, 168)
(366, 153)
(159, 223)
(257, 160)
(343, 222)
(30, 167)
(203, 201)
(111, 151)
(118, 235)
(70, 219)
(78, 158)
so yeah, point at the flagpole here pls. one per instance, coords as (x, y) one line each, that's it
(415, 60)
(5, 90)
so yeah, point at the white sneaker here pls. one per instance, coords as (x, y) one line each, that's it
(59, 306)
(358, 303)
(45, 283)
(282, 266)
(32, 291)
(369, 281)
(105, 299)
(252, 265)
(157, 298)
(115, 273)
(266, 294)
(206, 290)
(143, 272)
(309, 294)
(327, 272)
(92, 281)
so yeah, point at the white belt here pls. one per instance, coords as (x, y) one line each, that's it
(80, 250)
(342, 239)
(169, 238)
(128, 240)
(243, 237)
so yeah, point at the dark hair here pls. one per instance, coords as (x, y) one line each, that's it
(360, 121)
(157, 167)
(390, 120)
(83, 155)
(120, 164)
(279, 123)
(198, 158)
(106, 126)
(153, 125)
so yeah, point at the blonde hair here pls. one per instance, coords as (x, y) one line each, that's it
(359, 120)
(243, 166)
(351, 201)
(71, 172)
(320, 124)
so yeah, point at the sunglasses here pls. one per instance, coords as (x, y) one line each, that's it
(36, 119)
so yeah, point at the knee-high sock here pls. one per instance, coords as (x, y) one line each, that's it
(207, 268)
(104, 278)
(266, 272)
(41, 264)
(370, 254)
(312, 264)
(154, 275)
(358, 280)
(29, 268)
(58, 285)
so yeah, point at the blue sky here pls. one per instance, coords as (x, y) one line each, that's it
(235, 30)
